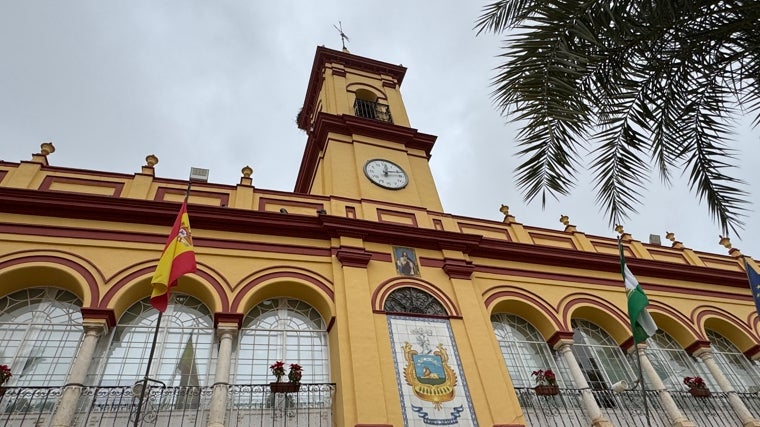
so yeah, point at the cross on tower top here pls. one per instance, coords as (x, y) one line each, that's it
(343, 36)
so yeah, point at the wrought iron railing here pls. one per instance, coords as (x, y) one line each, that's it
(247, 406)
(627, 409)
(372, 110)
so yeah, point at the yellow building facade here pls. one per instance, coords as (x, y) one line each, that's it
(399, 313)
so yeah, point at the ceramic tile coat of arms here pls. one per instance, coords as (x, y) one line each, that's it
(431, 384)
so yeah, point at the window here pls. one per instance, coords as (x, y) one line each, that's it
(601, 359)
(672, 363)
(366, 105)
(735, 366)
(415, 301)
(185, 350)
(523, 348)
(40, 331)
(287, 330)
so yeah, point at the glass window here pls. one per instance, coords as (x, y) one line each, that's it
(600, 358)
(185, 350)
(672, 363)
(523, 348)
(734, 364)
(282, 329)
(40, 331)
(413, 300)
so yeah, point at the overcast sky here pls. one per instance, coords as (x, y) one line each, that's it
(218, 84)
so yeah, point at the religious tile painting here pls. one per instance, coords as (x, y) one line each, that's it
(431, 384)
(405, 260)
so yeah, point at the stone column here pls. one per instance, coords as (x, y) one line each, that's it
(64, 413)
(564, 347)
(706, 355)
(218, 407)
(674, 414)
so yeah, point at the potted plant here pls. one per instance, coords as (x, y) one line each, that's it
(294, 378)
(5, 373)
(697, 386)
(546, 382)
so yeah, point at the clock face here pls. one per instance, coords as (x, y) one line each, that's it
(386, 174)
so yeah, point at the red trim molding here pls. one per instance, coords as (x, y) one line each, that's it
(106, 314)
(755, 349)
(458, 269)
(559, 336)
(351, 257)
(697, 345)
(226, 317)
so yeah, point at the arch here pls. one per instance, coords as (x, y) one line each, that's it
(282, 329)
(675, 324)
(726, 324)
(40, 330)
(135, 285)
(279, 282)
(185, 349)
(366, 91)
(528, 305)
(385, 288)
(26, 270)
(598, 311)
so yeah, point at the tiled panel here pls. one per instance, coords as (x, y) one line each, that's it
(428, 369)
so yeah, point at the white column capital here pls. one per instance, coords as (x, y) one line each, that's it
(96, 327)
(564, 345)
(704, 353)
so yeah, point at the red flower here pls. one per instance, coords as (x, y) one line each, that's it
(5, 373)
(278, 370)
(694, 382)
(295, 373)
(546, 377)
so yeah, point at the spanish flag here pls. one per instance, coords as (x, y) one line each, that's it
(177, 260)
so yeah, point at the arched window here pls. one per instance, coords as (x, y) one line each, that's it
(40, 331)
(287, 330)
(672, 363)
(185, 351)
(601, 359)
(734, 364)
(367, 106)
(413, 300)
(523, 348)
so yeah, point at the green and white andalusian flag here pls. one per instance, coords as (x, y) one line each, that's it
(642, 324)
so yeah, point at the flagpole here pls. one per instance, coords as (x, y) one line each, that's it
(155, 340)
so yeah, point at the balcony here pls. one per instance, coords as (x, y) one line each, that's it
(372, 110)
(627, 409)
(247, 405)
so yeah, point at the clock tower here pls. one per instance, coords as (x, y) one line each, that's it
(360, 143)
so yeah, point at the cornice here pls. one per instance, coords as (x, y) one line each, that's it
(149, 212)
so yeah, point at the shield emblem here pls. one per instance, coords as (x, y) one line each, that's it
(429, 369)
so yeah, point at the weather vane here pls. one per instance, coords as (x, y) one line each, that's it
(343, 36)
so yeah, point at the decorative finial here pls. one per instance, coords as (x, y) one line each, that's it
(343, 36)
(565, 220)
(672, 237)
(247, 171)
(507, 217)
(725, 242)
(47, 148)
(151, 160)
(619, 229)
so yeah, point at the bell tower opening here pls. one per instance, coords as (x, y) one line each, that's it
(366, 105)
